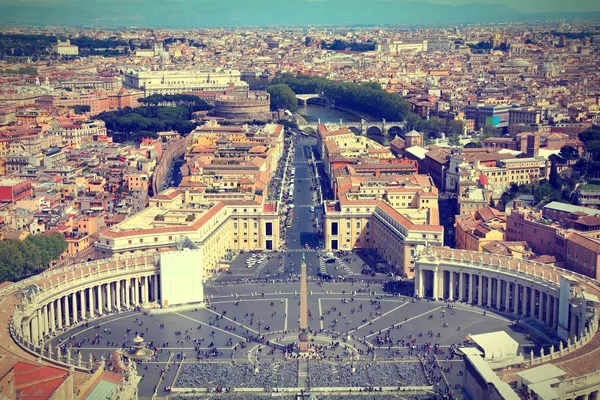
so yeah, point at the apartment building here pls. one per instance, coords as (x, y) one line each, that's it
(390, 215)
(77, 133)
(574, 239)
(489, 115)
(474, 231)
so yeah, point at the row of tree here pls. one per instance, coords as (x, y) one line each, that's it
(21, 259)
(20, 45)
(140, 122)
(20, 71)
(191, 102)
(368, 98)
(339, 44)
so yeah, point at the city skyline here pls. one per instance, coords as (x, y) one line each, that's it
(211, 13)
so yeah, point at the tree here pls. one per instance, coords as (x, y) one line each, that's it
(81, 109)
(455, 127)
(554, 179)
(490, 131)
(282, 97)
(454, 140)
(569, 153)
(593, 147)
(20, 259)
(589, 135)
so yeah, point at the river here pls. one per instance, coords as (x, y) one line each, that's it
(313, 112)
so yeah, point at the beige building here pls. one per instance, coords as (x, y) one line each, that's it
(390, 215)
(173, 82)
(66, 48)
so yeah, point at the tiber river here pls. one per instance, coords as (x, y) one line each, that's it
(312, 112)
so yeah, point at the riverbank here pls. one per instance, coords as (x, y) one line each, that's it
(311, 113)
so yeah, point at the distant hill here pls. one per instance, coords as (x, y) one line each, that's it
(210, 13)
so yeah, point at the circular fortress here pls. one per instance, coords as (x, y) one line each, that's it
(250, 106)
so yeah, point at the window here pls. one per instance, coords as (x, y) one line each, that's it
(129, 242)
(256, 225)
(348, 225)
(357, 224)
(156, 239)
(170, 237)
(235, 225)
(334, 228)
(141, 240)
(245, 225)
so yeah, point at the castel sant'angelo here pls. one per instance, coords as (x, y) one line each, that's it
(240, 104)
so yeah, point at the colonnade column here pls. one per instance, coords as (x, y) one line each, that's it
(100, 300)
(83, 306)
(532, 304)
(479, 290)
(91, 301)
(548, 318)
(75, 312)
(44, 321)
(67, 312)
(134, 291)
(498, 293)
(147, 289)
(507, 296)
(516, 296)
(541, 306)
(435, 285)
(155, 286)
(118, 294)
(59, 316)
(555, 313)
(109, 299)
(35, 332)
(488, 300)
(127, 292)
(470, 290)
(52, 316)
(451, 284)
(461, 286)
(525, 303)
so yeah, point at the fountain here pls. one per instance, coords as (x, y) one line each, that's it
(138, 350)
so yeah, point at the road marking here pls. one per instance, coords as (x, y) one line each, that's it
(95, 322)
(171, 348)
(320, 313)
(285, 320)
(381, 316)
(407, 320)
(214, 327)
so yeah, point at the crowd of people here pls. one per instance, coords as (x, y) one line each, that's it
(227, 375)
(261, 396)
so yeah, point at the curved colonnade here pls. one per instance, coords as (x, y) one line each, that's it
(57, 299)
(53, 301)
(525, 290)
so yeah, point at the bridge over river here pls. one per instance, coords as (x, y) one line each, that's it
(363, 126)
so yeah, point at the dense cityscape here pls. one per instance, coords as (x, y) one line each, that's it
(300, 212)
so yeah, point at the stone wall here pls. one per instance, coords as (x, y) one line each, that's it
(243, 110)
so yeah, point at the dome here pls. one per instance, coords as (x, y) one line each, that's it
(518, 63)
(412, 133)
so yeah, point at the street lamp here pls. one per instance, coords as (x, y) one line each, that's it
(260, 322)
(348, 322)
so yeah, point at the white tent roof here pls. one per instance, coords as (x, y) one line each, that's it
(496, 345)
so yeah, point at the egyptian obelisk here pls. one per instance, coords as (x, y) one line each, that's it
(303, 336)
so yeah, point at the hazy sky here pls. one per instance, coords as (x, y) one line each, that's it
(280, 12)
